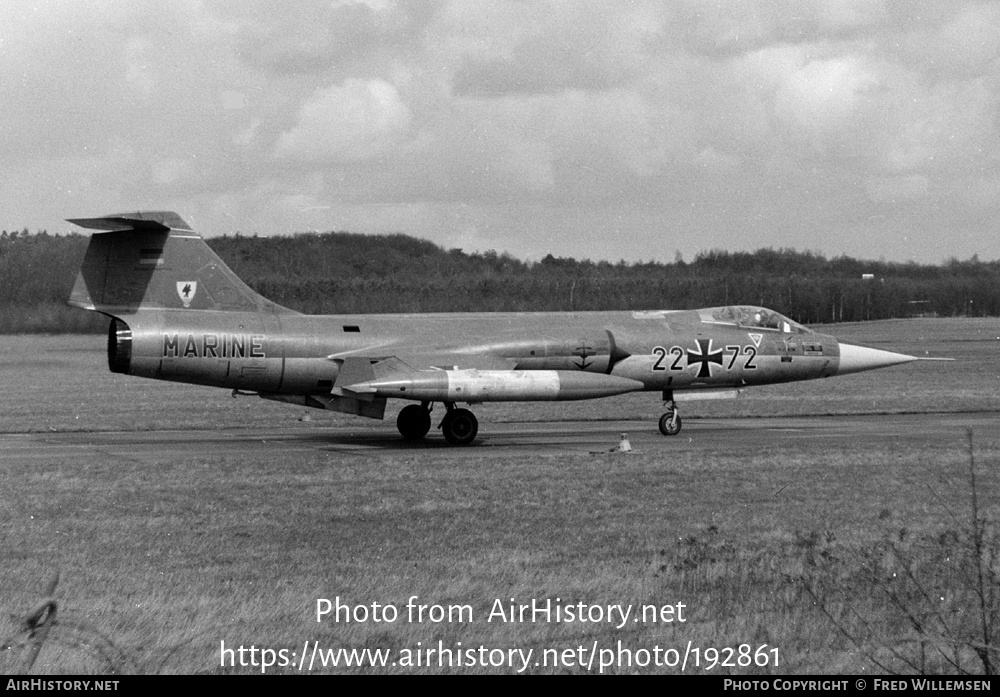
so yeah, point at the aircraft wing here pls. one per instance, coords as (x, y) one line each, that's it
(467, 378)
(417, 360)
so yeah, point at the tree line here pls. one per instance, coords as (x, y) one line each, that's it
(337, 272)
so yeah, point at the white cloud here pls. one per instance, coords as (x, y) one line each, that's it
(841, 15)
(946, 126)
(824, 102)
(171, 170)
(346, 123)
(966, 42)
(897, 189)
(615, 128)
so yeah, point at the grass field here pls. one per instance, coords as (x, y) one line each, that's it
(865, 563)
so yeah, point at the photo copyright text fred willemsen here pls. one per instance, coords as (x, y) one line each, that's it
(592, 655)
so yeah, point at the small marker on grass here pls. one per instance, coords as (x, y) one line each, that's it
(624, 446)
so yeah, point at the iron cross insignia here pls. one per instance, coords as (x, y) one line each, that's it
(706, 356)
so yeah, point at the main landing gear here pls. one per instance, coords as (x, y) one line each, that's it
(414, 421)
(670, 422)
(459, 426)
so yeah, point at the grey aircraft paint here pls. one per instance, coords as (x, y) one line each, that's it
(179, 313)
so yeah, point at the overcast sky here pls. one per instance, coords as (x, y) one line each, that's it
(600, 130)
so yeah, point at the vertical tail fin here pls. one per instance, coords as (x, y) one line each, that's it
(153, 260)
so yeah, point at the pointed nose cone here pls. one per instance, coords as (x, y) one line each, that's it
(854, 359)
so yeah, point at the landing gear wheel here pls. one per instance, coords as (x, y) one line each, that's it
(413, 422)
(460, 426)
(670, 423)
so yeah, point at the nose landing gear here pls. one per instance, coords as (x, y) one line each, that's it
(670, 422)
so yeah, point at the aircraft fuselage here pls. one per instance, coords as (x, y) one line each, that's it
(303, 354)
(179, 313)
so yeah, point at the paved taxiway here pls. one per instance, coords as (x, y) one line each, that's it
(504, 440)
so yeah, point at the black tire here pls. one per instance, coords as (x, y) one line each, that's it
(413, 422)
(460, 427)
(670, 426)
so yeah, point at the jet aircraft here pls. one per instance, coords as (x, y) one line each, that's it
(179, 313)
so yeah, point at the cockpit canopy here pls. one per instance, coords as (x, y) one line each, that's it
(750, 317)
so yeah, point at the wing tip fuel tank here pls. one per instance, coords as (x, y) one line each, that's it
(855, 359)
(499, 385)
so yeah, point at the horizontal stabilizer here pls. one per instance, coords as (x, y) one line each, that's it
(152, 260)
(148, 221)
